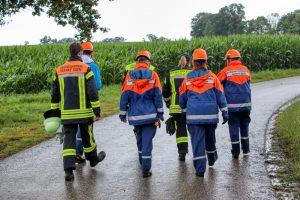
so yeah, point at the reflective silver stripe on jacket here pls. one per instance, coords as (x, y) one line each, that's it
(202, 117)
(239, 105)
(122, 112)
(70, 75)
(211, 151)
(224, 109)
(141, 117)
(199, 157)
(160, 110)
(237, 72)
(146, 157)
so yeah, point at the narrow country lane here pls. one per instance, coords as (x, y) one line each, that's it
(37, 173)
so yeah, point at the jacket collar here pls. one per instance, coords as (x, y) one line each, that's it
(235, 62)
(141, 66)
(75, 58)
(87, 59)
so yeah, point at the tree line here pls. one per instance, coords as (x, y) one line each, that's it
(231, 20)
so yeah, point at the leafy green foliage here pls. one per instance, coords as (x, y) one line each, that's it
(290, 23)
(82, 14)
(25, 69)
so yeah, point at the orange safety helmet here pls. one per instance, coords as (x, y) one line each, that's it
(144, 53)
(87, 46)
(199, 54)
(232, 53)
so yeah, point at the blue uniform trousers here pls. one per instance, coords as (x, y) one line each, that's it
(144, 135)
(203, 142)
(239, 127)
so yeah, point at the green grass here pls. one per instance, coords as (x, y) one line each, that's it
(288, 129)
(274, 74)
(21, 118)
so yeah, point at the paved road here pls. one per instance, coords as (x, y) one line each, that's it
(37, 173)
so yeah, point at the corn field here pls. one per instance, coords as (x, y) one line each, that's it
(28, 69)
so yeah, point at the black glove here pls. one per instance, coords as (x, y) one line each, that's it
(170, 126)
(122, 118)
(225, 117)
(160, 116)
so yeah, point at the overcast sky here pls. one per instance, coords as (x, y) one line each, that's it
(134, 19)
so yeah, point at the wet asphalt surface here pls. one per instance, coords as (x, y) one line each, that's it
(37, 173)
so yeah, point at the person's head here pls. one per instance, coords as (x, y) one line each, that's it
(143, 57)
(184, 61)
(231, 55)
(200, 59)
(88, 48)
(75, 49)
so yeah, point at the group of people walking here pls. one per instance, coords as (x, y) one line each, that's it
(193, 94)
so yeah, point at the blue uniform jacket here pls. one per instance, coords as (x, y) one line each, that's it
(236, 82)
(96, 70)
(141, 97)
(201, 97)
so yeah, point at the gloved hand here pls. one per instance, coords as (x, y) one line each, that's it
(170, 126)
(161, 116)
(123, 118)
(225, 117)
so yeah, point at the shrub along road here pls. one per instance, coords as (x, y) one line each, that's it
(37, 173)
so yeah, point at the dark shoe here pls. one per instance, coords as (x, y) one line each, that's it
(80, 159)
(235, 156)
(200, 174)
(181, 157)
(69, 176)
(211, 164)
(99, 158)
(147, 174)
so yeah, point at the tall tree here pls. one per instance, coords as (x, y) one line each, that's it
(81, 14)
(260, 25)
(230, 20)
(290, 23)
(203, 24)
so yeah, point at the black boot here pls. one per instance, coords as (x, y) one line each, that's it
(98, 159)
(181, 157)
(69, 176)
(147, 174)
(200, 174)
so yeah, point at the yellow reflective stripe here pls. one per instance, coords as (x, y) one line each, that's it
(89, 75)
(76, 116)
(77, 111)
(152, 68)
(95, 104)
(69, 152)
(62, 92)
(82, 97)
(92, 142)
(181, 140)
(54, 106)
(132, 65)
(175, 109)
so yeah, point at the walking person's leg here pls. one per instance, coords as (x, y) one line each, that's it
(181, 136)
(210, 143)
(234, 130)
(79, 148)
(244, 126)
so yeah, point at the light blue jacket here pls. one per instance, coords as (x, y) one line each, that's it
(96, 70)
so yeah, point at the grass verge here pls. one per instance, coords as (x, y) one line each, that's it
(288, 130)
(21, 118)
(268, 75)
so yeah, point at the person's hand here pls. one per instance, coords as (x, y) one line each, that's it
(123, 118)
(158, 124)
(97, 118)
(160, 116)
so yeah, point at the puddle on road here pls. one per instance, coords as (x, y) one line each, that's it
(277, 162)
